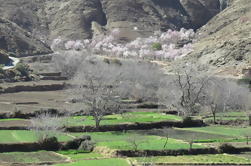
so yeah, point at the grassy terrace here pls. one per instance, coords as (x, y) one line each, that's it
(19, 136)
(145, 139)
(31, 157)
(99, 162)
(91, 159)
(222, 130)
(75, 155)
(230, 116)
(11, 119)
(95, 159)
(121, 141)
(218, 158)
(209, 159)
(132, 117)
(112, 140)
(231, 134)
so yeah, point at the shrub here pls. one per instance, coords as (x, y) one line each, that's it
(157, 46)
(4, 57)
(227, 148)
(86, 146)
(22, 68)
(190, 122)
(76, 143)
(50, 143)
(187, 121)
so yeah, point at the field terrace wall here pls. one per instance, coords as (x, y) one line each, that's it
(20, 114)
(30, 147)
(136, 126)
(143, 153)
(22, 88)
(24, 147)
(118, 127)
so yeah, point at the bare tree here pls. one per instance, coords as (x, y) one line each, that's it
(226, 94)
(216, 97)
(141, 80)
(184, 90)
(135, 141)
(47, 125)
(95, 85)
(68, 62)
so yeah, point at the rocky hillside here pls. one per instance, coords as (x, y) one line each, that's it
(19, 42)
(224, 43)
(4, 57)
(49, 19)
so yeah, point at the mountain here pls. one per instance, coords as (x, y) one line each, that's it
(19, 42)
(73, 19)
(224, 43)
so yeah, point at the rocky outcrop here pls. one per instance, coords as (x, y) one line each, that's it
(50, 19)
(224, 43)
(200, 11)
(19, 42)
(4, 57)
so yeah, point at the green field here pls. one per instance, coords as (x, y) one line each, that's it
(229, 116)
(31, 157)
(147, 143)
(113, 140)
(10, 119)
(18, 136)
(217, 158)
(99, 162)
(222, 130)
(123, 141)
(155, 139)
(76, 155)
(132, 117)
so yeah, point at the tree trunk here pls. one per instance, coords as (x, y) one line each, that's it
(214, 116)
(190, 145)
(249, 120)
(97, 123)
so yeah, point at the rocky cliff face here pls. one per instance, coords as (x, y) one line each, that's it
(50, 19)
(224, 43)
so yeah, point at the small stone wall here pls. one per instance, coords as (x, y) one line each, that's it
(24, 147)
(21, 88)
(142, 153)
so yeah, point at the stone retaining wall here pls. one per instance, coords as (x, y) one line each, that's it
(21, 88)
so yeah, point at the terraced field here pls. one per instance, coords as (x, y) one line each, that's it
(108, 143)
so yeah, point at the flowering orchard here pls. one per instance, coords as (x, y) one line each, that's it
(168, 45)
